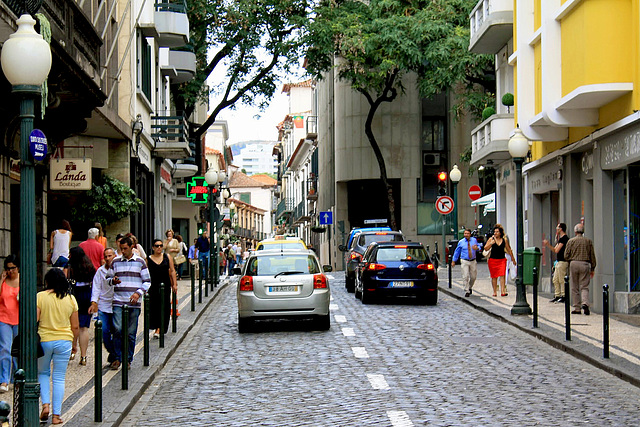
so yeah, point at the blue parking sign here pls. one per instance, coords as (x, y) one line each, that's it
(326, 218)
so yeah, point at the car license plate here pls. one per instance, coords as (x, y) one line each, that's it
(288, 288)
(402, 284)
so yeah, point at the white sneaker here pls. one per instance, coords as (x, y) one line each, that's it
(4, 388)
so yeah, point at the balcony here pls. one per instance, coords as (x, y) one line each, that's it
(490, 140)
(183, 61)
(172, 23)
(491, 23)
(312, 127)
(170, 134)
(284, 207)
(301, 215)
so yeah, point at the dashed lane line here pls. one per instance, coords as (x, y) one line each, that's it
(340, 318)
(333, 307)
(378, 382)
(348, 332)
(399, 419)
(360, 352)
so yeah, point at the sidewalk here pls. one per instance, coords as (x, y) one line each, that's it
(586, 331)
(78, 405)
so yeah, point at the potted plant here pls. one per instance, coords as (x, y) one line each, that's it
(488, 112)
(507, 101)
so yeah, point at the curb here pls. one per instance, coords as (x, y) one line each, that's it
(578, 349)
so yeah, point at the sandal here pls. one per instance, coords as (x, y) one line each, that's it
(55, 419)
(505, 294)
(44, 415)
(73, 355)
(83, 361)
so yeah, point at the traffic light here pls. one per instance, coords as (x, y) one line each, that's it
(442, 183)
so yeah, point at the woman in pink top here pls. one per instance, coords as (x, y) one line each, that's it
(8, 318)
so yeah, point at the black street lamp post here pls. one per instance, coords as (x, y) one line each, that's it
(455, 175)
(26, 61)
(518, 148)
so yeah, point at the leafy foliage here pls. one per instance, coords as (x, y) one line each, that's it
(106, 202)
(254, 41)
(488, 112)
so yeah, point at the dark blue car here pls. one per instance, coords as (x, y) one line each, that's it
(396, 269)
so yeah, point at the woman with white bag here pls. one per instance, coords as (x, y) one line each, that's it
(499, 246)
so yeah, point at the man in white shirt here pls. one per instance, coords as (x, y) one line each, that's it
(102, 300)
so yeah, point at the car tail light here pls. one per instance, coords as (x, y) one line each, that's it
(400, 246)
(376, 267)
(319, 281)
(246, 283)
(425, 266)
(355, 255)
(381, 234)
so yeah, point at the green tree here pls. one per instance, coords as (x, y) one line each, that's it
(255, 41)
(374, 44)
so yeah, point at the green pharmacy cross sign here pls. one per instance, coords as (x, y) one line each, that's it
(198, 190)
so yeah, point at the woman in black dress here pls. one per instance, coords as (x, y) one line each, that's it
(80, 273)
(161, 270)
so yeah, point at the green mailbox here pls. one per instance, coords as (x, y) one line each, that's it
(530, 258)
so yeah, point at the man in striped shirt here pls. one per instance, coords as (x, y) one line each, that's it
(130, 282)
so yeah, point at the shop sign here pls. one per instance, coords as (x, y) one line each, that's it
(620, 149)
(586, 163)
(70, 174)
(544, 178)
(165, 175)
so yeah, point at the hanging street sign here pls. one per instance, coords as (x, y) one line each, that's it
(38, 145)
(475, 192)
(444, 205)
(198, 190)
(70, 174)
(326, 218)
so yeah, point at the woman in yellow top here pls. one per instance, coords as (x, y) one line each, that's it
(58, 326)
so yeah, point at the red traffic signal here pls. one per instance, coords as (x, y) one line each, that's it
(442, 176)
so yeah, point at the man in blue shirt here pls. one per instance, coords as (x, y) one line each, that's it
(193, 257)
(466, 252)
(202, 245)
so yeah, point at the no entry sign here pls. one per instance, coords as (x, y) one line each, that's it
(475, 192)
(444, 205)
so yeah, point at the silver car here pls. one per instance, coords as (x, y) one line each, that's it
(283, 284)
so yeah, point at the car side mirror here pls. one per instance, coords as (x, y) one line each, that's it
(342, 248)
(327, 268)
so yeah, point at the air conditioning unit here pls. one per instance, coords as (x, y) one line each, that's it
(431, 159)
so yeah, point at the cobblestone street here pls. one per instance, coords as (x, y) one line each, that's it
(395, 364)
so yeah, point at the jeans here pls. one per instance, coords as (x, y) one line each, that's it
(134, 313)
(58, 351)
(107, 333)
(204, 258)
(7, 334)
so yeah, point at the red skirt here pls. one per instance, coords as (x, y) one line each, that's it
(497, 267)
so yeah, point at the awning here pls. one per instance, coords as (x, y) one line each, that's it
(485, 200)
(490, 207)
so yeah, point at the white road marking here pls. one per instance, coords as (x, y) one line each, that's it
(333, 307)
(378, 382)
(329, 276)
(348, 332)
(360, 352)
(340, 318)
(399, 419)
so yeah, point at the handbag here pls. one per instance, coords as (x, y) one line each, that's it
(15, 346)
(486, 252)
(179, 259)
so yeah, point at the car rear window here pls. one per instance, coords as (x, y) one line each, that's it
(280, 246)
(273, 264)
(401, 254)
(367, 239)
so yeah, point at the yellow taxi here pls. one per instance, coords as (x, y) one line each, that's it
(281, 242)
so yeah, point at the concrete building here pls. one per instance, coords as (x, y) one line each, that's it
(256, 158)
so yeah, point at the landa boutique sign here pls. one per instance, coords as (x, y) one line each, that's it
(70, 174)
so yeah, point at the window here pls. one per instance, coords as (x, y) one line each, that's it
(144, 67)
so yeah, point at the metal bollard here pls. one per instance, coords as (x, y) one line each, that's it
(567, 309)
(200, 285)
(5, 410)
(97, 381)
(174, 312)
(193, 288)
(145, 336)
(206, 289)
(535, 297)
(163, 313)
(125, 347)
(605, 321)
(449, 264)
(18, 389)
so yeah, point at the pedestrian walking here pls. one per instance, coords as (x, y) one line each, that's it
(137, 247)
(497, 262)
(92, 248)
(561, 266)
(222, 260)
(161, 270)
(237, 249)
(231, 259)
(102, 301)
(59, 245)
(131, 280)
(193, 257)
(81, 273)
(101, 237)
(184, 251)
(9, 290)
(57, 314)
(171, 245)
(582, 264)
(466, 252)
(119, 237)
(203, 246)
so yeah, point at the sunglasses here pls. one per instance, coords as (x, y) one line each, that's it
(157, 246)
(10, 268)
